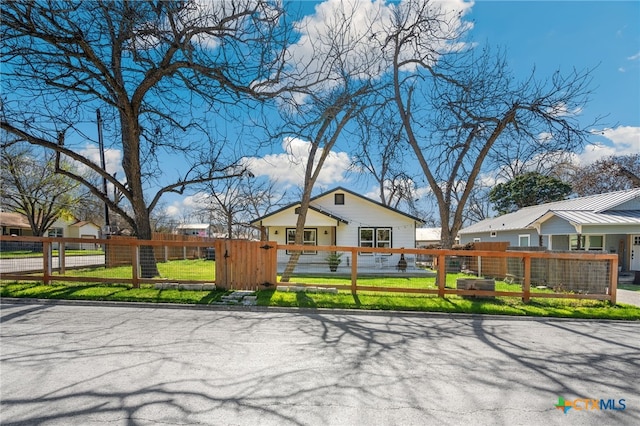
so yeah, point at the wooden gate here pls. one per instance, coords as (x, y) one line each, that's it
(245, 265)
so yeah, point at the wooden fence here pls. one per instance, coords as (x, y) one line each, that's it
(581, 268)
(244, 264)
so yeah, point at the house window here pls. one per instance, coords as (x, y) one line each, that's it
(595, 242)
(56, 232)
(477, 240)
(524, 240)
(309, 238)
(586, 242)
(493, 234)
(15, 231)
(375, 237)
(383, 237)
(338, 199)
(576, 242)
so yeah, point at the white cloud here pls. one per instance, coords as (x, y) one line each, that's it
(288, 168)
(622, 140)
(561, 110)
(349, 37)
(112, 158)
(634, 57)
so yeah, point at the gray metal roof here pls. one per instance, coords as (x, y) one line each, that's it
(591, 209)
(624, 217)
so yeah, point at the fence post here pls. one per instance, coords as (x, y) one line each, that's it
(61, 257)
(135, 264)
(46, 262)
(613, 286)
(354, 271)
(442, 274)
(526, 284)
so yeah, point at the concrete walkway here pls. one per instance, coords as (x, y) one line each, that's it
(628, 297)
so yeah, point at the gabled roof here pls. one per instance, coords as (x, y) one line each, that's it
(428, 234)
(82, 223)
(337, 189)
(15, 220)
(590, 210)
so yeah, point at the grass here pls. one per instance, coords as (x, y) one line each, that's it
(191, 269)
(204, 270)
(114, 292)
(452, 304)
(400, 282)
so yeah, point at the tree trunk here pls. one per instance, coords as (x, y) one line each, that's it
(132, 169)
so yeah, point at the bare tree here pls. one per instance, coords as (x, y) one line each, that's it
(334, 77)
(458, 106)
(613, 173)
(380, 155)
(234, 203)
(29, 186)
(160, 71)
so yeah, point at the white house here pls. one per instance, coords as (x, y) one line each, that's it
(199, 229)
(607, 222)
(344, 218)
(18, 224)
(426, 237)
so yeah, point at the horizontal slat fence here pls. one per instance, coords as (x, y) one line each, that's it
(251, 265)
(582, 275)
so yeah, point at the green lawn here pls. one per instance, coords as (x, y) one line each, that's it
(191, 269)
(204, 270)
(398, 282)
(114, 292)
(453, 304)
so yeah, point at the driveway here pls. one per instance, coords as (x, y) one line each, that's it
(66, 364)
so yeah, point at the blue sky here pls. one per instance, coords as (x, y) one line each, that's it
(547, 35)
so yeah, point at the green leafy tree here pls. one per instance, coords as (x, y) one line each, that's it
(527, 189)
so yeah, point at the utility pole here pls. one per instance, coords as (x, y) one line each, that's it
(107, 224)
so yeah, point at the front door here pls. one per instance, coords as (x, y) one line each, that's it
(635, 253)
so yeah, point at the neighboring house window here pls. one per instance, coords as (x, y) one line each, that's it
(338, 199)
(15, 231)
(375, 237)
(476, 240)
(524, 240)
(56, 232)
(309, 238)
(493, 234)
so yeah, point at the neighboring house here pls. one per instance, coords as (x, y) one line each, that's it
(427, 237)
(14, 224)
(606, 222)
(199, 229)
(17, 224)
(344, 218)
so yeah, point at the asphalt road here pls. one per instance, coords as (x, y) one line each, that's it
(35, 263)
(111, 365)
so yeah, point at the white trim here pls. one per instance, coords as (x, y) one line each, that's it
(527, 236)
